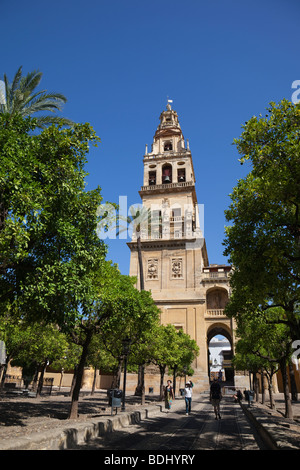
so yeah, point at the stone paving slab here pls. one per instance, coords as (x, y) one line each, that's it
(34, 424)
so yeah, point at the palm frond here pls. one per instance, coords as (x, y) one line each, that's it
(16, 80)
(30, 81)
(43, 102)
(56, 96)
(44, 121)
(30, 98)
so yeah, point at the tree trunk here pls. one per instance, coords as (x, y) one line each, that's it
(140, 388)
(1, 370)
(75, 396)
(174, 379)
(61, 378)
(269, 377)
(5, 367)
(161, 388)
(73, 381)
(34, 385)
(293, 382)
(143, 384)
(271, 395)
(117, 377)
(287, 399)
(263, 395)
(41, 379)
(94, 382)
(255, 386)
(139, 246)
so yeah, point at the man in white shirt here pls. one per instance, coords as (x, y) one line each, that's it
(188, 397)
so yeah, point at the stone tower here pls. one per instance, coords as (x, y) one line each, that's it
(190, 293)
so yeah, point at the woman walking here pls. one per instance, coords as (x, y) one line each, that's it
(169, 395)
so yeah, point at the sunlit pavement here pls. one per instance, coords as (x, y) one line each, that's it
(173, 430)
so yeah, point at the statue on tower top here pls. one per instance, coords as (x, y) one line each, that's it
(169, 104)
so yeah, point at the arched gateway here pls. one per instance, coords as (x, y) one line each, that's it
(219, 353)
(190, 292)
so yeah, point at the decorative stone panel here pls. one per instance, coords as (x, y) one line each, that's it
(176, 268)
(152, 268)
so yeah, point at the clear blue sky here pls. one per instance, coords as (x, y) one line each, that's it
(117, 62)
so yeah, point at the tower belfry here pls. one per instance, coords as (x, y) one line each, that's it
(174, 255)
(168, 189)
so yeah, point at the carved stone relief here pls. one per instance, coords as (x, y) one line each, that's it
(176, 268)
(152, 268)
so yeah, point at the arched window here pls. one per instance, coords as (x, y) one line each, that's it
(168, 146)
(167, 174)
(181, 175)
(216, 299)
(152, 177)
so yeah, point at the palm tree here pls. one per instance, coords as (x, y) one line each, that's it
(19, 97)
(139, 218)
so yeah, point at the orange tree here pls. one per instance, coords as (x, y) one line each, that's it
(263, 240)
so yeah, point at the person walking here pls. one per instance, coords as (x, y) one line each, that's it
(188, 397)
(215, 397)
(169, 395)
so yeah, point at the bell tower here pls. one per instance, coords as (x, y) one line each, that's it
(171, 237)
(168, 190)
(171, 243)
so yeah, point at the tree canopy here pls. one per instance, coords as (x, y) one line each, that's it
(263, 240)
(47, 218)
